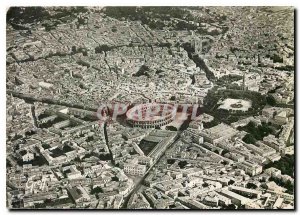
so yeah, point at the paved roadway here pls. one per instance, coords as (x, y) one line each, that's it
(138, 185)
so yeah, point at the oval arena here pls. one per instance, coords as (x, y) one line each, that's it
(151, 115)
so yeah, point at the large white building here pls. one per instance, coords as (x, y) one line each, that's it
(134, 168)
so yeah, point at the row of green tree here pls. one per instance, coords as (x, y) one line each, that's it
(227, 81)
(154, 17)
(256, 132)
(214, 96)
(28, 15)
(285, 165)
(288, 185)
